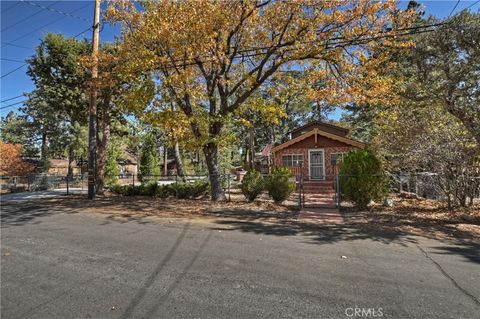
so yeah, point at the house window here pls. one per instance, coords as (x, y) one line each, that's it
(337, 158)
(292, 160)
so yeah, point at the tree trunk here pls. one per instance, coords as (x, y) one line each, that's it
(251, 148)
(44, 153)
(178, 162)
(211, 157)
(44, 146)
(165, 160)
(103, 138)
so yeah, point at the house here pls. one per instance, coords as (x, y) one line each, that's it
(314, 149)
(128, 166)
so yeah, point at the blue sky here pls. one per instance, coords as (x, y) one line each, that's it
(23, 23)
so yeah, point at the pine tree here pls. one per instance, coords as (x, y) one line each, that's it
(112, 170)
(149, 160)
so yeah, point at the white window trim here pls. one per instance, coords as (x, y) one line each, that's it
(310, 164)
(302, 155)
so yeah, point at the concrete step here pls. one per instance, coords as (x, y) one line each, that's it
(318, 191)
(325, 185)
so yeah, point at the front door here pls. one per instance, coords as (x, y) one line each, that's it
(317, 164)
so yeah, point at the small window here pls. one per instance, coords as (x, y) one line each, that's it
(292, 160)
(337, 158)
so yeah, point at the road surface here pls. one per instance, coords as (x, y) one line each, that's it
(72, 264)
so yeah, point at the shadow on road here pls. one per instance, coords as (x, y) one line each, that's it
(151, 278)
(258, 220)
(469, 250)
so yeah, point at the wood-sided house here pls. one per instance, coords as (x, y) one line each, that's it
(313, 150)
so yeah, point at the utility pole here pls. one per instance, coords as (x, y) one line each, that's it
(92, 116)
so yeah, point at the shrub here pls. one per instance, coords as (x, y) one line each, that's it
(42, 183)
(279, 185)
(179, 190)
(252, 185)
(189, 190)
(362, 179)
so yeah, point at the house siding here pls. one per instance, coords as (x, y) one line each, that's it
(302, 147)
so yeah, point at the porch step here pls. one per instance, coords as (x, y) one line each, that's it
(310, 182)
(326, 192)
(322, 188)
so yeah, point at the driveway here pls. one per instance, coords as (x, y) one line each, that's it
(59, 263)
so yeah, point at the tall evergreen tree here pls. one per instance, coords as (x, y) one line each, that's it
(149, 160)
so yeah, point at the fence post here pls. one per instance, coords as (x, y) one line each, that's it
(337, 181)
(176, 186)
(68, 190)
(408, 182)
(300, 191)
(133, 179)
(416, 184)
(228, 183)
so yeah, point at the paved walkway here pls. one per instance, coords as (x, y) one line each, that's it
(321, 215)
(27, 196)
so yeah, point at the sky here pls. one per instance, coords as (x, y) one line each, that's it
(23, 23)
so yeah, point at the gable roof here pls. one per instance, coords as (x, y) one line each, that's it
(316, 131)
(320, 123)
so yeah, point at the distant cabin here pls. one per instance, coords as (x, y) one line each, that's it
(314, 150)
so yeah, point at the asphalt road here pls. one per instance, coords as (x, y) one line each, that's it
(58, 264)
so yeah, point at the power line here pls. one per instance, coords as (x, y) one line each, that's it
(330, 43)
(21, 66)
(57, 11)
(12, 60)
(28, 17)
(16, 45)
(87, 29)
(454, 7)
(472, 5)
(12, 98)
(50, 23)
(25, 63)
(11, 7)
(13, 104)
(335, 44)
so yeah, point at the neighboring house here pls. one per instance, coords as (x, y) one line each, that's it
(59, 166)
(128, 166)
(314, 149)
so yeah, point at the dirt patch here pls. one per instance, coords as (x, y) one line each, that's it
(419, 216)
(144, 206)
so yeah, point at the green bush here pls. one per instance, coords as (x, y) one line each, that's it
(189, 190)
(179, 190)
(252, 185)
(278, 184)
(362, 179)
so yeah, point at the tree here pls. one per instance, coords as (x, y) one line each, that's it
(112, 170)
(115, 94)
(56, 108)
(149, 160)
(11, 163)
(15, 129)
(213, 56)
(434, 126)
(449, 62)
